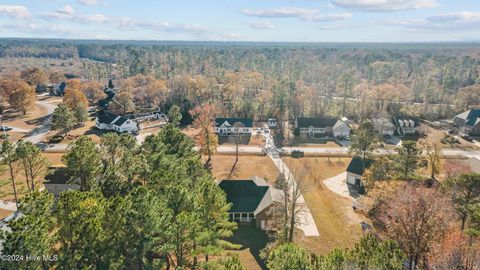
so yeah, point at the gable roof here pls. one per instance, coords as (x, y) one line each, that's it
(247, 122)
(321, 122)
(471, 117)
(106, 118)
(57, 175)
(244, 195)
(110, 118)
(356, 165)
(397, 120)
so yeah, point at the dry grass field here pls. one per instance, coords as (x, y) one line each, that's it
(6, 190)
(247, 166)
(338, 225)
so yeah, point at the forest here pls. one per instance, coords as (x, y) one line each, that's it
(285, 80)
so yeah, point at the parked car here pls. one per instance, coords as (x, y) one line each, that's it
(266, 130)
(41, 146)
(467, 138)
(259, 130)
(5, 128)
(452, 131)
(297, 154)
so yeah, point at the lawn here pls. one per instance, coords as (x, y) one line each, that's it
(247, 166)
(338, 225)
(252, 241)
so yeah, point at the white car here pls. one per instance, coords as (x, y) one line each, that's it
(259, 130)
(266, 130)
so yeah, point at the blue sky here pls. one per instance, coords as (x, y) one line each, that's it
(244, 20)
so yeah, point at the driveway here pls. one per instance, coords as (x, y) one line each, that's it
(306, 223)
(338, 185)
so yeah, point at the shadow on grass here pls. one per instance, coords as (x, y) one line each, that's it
(230, 139)
(251, 238)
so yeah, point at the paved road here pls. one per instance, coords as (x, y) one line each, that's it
(36, 135)
(306, 222)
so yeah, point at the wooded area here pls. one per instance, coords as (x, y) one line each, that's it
(279, 79)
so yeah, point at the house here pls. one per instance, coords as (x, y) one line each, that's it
(57, 89)
(355, 170)
(405, 126)
(251, 200)
(110, 121)
(227, 126)
(272, 123)
(384, 126)
(468, 123)
(314, 127)
(59, 180)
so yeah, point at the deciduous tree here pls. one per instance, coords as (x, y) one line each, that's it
(204, 119)
(416, 218)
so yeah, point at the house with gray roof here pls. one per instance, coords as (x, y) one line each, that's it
(468, 123)
(251, 200)
(321, 127)
(58, 180)
(228, 126)
(110, 121)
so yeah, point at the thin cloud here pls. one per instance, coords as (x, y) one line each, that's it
(443, 22)
(261, 25)
(88, 2)
(68, 13)
(17, 12)
(293, 12)
(283, 12)
(385, 5)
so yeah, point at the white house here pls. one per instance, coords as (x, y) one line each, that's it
(405, 126)
(272, 122)
(384, 126)
(59, 181)
(355, 170)
(228, 126)
(110, 121)
(319, 127)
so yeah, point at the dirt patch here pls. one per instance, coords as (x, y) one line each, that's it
(338, 227)
(247, 166)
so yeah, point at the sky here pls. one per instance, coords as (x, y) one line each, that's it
(244, 20)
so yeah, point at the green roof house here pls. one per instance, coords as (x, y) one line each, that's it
(251, 199)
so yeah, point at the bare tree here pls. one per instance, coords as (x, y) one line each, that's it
(290, 207)
(237, 138)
